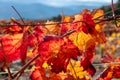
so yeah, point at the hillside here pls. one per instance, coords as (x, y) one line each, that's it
(108, 8)
(38, 10)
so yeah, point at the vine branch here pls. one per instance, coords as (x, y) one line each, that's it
(112, 6)
(18, 14)
(26, 65)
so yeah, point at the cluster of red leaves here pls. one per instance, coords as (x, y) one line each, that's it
(15, 46)
(54, 49)
(57, 51)
(67, 51)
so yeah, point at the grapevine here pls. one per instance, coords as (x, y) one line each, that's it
(60, 50)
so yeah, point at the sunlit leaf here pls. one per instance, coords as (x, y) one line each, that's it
(77, 70)
(66, 26)
(50, 46)
(54, 28)
(43, 74)
(9, 49)
(67, 50)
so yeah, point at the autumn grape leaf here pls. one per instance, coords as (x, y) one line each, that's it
(116, 71)
(67, 51)
(58, 63)
(35, 37)
(98, 14)
(54, 28)
(85, 22)
(38, 33)
(86, 44)
(81, 39)
(55, 49)
(66, 26)
(113, 71)
(10, 47)
(87, 58)
(31, 39)
(87, 65)
(24, 46)
(90, 25)
(77, 70)
(50, 46)
(89, 49)
(43, 74)
(15, 28)
(36, 74)
(12, 29)
(99, 34)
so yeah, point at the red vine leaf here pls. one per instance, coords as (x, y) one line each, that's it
(30, 39)
(89, 27)
(43, 74)
(87, 65)
(9, 48)
(113, 71)
(86, 25)
(67, 51)
(89, 49)
(67, 26)
(50, 46)
(36, 36)
(24, 45)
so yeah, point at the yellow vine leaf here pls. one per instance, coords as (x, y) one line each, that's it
(80, 39)
(98, 12)
(66, 19)
(77, 71)
(46, 66)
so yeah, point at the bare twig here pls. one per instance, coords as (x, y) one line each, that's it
(26, 65)
(18, 14)
(108, 19)
(112, 6)
(13, 72)
(68, 33)
(17, 78)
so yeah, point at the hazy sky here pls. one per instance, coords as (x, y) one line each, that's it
(28, 8)
(61, 3)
